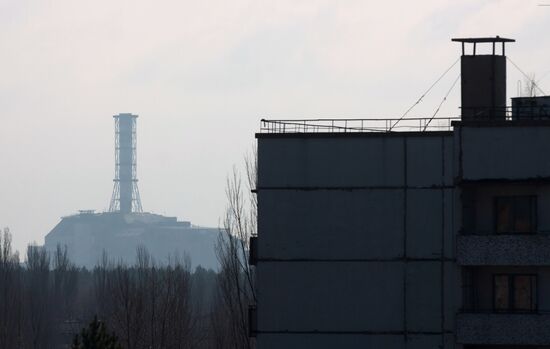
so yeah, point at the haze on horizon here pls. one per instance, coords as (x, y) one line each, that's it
(201, 75)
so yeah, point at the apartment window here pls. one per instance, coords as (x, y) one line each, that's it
(516, 214)
(515, 292)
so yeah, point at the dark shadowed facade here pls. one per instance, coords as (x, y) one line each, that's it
(434, 237)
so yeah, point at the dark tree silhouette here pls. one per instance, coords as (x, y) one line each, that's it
(147, 304)
(95, 336)
(236, 288)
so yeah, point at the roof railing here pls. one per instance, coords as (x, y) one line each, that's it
(356, 125)
(518, 112)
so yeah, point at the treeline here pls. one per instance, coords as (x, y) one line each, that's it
(47, 300)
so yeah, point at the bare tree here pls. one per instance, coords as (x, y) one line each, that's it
(65, 282)
(102, 286)
(64, 291)
(37, 299)
(236, 277)
(10, 291)
(176, 302)
(148, 305)
(127, 305)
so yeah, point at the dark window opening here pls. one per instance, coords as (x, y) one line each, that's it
(468, 289)
(516, 214)
(515, 293)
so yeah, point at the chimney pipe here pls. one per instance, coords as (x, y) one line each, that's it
(483, 79)
(125, 198)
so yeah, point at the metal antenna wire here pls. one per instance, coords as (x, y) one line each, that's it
(424, 94)
(442, 101)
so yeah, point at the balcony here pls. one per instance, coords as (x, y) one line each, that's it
(503, 328)
(518, 250)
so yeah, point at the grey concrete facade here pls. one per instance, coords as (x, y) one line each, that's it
(363, 238)
(509, 150)
(355, 241)
(407, 239)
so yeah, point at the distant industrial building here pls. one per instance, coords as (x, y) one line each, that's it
(437, 236)
(125, 227)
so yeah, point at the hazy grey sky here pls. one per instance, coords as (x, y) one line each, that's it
(201, 74)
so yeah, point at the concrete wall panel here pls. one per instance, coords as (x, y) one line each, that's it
(451, 222)
(343, 199)
(430, 219)
(330, 162)
(488, 152)
(425, 161)
(449, 161)
(330, 224)
(321, 296)
(424, 341)
(320, 341)
(424, 296)
(452, 296)
(424, 223)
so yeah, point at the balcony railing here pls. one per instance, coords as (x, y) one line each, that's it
(503, 328)
(520, 249)
(477, 310)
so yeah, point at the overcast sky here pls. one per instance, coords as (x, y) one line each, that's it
(200, 75)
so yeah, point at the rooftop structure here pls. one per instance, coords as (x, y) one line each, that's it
(408, 233)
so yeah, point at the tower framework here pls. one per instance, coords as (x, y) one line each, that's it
(125, 198)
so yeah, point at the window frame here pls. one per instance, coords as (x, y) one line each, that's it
(533, 200)
(511, 293)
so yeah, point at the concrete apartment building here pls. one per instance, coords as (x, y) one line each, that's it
(434, 237)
